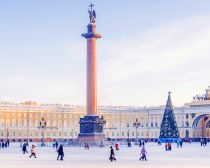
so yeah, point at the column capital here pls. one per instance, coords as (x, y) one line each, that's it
(91, 32)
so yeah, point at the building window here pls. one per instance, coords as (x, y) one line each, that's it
(65, 123)
(48, 123)
(13, 123)
(156, 124)
(25, 123)
(54, 123)
(19, 123)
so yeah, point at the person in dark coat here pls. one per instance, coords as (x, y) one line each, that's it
(140, 143)
(169, 146)
(60, 153)
(7, 142)
(24, 148)
(56, 144)
(181, 142)
(112, 156)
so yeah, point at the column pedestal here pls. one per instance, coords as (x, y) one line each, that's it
(91, 130)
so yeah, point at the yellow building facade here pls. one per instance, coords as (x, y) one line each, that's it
(20, 122)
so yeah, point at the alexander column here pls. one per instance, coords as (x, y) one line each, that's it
(91, 125)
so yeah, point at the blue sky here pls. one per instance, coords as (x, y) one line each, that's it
(148, 47)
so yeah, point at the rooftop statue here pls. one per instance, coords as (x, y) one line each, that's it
(92, 13)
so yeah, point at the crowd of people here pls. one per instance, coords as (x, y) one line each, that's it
(143, 152)
(60, 150)
(203, 142)
(87, 145)
(4, 144)
(168, 147)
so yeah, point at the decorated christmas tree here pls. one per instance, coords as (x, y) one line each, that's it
(169, 130)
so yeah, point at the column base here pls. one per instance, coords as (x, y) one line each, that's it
(91, 130)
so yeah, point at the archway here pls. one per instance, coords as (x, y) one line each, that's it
(199, 126)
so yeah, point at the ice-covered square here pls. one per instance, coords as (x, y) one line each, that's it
(191, 155)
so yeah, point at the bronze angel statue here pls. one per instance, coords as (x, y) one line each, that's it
(92, 14)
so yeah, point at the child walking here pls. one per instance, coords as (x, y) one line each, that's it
(33, 151)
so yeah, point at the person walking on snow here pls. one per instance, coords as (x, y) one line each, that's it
(112, 156)
(177, 143)
(60, 153)
(116, 146)
(24, 148)
(143, 154)
(166, 146)
(33, 151)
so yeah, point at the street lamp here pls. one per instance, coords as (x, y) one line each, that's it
(43, 126)
(136, 124)
(7, 134)
(128, 133)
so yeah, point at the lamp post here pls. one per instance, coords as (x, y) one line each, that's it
(43, 126)
(7, 140)
(148, 115)
(128, 134)
(72, 134)
(136, 124)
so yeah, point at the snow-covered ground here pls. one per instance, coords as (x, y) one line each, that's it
(191, 155)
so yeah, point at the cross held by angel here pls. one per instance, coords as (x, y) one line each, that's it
(92, 13)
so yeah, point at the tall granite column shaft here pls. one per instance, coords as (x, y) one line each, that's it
(91, 97)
